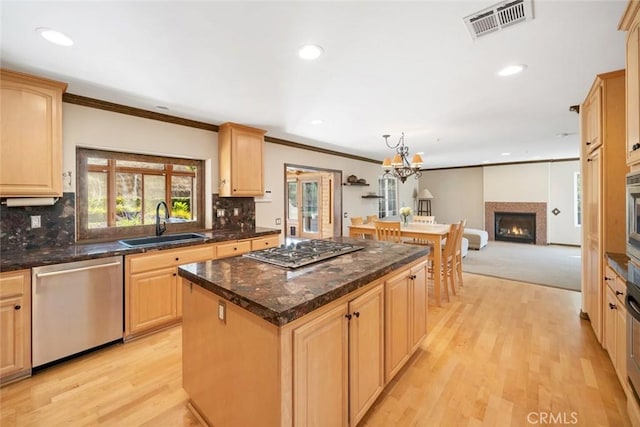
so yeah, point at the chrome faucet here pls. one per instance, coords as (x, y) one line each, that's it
(161, 228)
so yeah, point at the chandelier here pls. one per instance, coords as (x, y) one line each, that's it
(399, 166)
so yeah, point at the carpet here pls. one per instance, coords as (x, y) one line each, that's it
(552, 265)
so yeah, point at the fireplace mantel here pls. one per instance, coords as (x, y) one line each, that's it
(539, 208)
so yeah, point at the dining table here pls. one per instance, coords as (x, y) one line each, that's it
(434, 233)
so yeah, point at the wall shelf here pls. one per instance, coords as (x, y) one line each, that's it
(355, 184)
(372, 197)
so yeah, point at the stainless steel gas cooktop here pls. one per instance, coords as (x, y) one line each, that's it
(304, 252)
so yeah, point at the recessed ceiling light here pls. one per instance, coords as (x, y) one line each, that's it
(505, 154)
(310, 51)
(316, 122)
(162, 107)
(55, 36)
(511, 70)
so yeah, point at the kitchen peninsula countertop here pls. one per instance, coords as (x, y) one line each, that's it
(280, 295)
(17, 260)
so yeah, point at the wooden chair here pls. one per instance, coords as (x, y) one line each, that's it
(372, 218)
(448, 270)
(463, 224)
(356, 220)
(424, 219)
(388, 231)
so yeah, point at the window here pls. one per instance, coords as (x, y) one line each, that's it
(118, 193)
(577, 199)
(388, 204)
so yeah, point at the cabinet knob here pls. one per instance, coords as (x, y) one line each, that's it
(17, 307)
(619, 293)
(177, 259)
(589, 160)
(348, 316)
(175, 274)
(607, 278)
(635, 146)
(588, 143)
(613, 306)
(357, 314)
(235, 249)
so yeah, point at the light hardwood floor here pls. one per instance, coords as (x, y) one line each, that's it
(500, 353)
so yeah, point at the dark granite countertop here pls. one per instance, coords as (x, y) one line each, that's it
(280, 296)
(618, 262)
(17, 260)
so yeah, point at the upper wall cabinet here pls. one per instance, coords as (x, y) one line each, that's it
(31, 135)
(240, 151)
(631, 23)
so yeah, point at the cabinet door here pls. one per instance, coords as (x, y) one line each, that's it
(366, 351)
(152, 299)
(397, 326)
(15, 340)
(592, 115)
(246, 163)
(419, 303)
(633, 92)
(610, 315)
(265, 242)
(320, 371)
(621, 345)
(592, 292)
(31, 136)
(15, 324)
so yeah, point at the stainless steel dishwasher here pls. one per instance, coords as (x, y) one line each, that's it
(76, 306)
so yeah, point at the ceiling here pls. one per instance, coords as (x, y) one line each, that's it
(387, 68)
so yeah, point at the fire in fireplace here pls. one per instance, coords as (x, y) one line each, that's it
(515, 227)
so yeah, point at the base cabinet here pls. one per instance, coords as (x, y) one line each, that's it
(406, 316)
(153, 297)
(615, 324)
(324, 369)
(15, 325)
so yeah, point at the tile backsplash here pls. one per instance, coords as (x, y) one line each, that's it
(233, 213)
(58, 225)
(58, 222)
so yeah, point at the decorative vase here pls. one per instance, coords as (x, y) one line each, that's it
(404, 220)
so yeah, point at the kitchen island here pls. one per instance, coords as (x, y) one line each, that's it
(264, 345)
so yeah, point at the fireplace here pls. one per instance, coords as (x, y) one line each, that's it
(515, 227)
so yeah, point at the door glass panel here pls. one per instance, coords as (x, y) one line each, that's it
(309, 206)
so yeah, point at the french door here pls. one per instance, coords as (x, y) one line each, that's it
(309, 212)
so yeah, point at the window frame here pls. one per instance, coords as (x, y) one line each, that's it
(85, 234)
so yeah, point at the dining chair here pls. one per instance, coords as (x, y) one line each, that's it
(424, 219)
(388, 231)
(448, 269)
(372, 218)
(356, 220)
(463, 224)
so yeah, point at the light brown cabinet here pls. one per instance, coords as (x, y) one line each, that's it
(405, 316)
(240, 157)
(31, 135)
(15, 325)
(229, 249)
(631, 24)
(153, 297)
(615, 324)
(265, 243)
(338, 367)
(603, 164)
(325, 368)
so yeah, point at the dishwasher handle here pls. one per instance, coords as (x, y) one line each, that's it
(75, 270)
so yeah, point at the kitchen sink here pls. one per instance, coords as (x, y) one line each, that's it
(161, 240)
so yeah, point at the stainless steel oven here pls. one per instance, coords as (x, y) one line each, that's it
(632, 303)
(633, 215)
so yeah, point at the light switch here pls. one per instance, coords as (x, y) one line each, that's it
(222, 311)
(219, 213)
(35, 221)
(278, 221)
(236, 211)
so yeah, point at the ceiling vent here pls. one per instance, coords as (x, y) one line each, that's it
(498, 16)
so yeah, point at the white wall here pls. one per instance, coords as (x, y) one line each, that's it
(90, 127)
(353, 204)
(527, 182)
(457, 194)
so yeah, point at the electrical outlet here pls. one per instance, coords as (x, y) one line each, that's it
(236, 211)
(278, 221)
(35, 221)
(220, 213)
(222, 311)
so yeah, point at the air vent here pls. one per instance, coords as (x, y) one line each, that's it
(498, 16)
